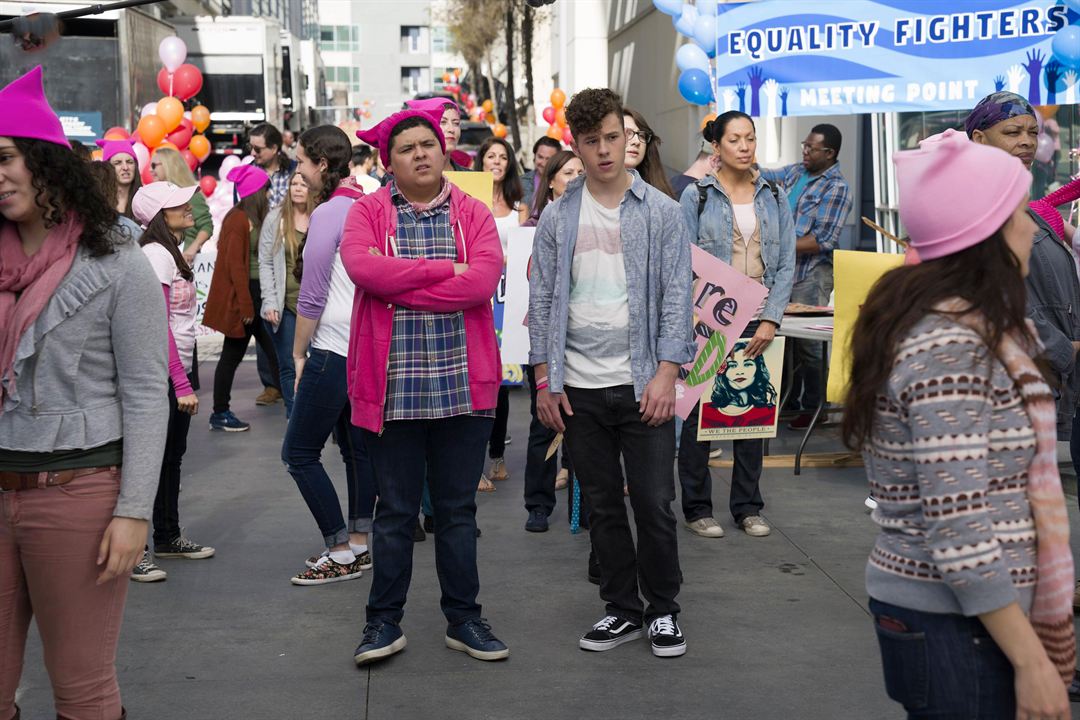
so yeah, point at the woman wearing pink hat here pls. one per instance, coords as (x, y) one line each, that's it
(971, 576)
(121, 155)
(449, 114)
(234, 299)
(83, 414)
(165, 212)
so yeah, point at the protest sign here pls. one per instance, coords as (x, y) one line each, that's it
(743, 400)
(515, 334)
(480, 185)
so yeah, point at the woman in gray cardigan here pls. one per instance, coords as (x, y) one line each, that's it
(83, 409)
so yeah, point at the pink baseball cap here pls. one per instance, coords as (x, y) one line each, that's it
(27, 113)
(249, 179)
(941, 207)
(379, 136)
(157, 196)
(115, 147)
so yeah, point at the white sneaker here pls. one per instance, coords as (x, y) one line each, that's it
(146, 571)
(706, 527)
(716, 453)
(870, 503)
(755, 526)
(666, 637)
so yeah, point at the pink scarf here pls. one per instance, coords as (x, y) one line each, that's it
(1051, 610)
(34, 280)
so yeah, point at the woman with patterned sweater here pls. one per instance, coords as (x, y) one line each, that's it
(971, 577)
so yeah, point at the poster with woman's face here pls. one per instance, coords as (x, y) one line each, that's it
(744, 401)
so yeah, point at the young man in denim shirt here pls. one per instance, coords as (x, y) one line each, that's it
(610, 324)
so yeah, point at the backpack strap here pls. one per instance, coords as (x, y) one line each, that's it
(703, 195)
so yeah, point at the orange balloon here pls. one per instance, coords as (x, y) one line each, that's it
(487, 105)
(199, 147)
(166, 144)
(707, 119)
(554, 132)
(560, 117)
(96, 155)
(446, 77)
(499, 130)
(558, 98)
(152, 130)
(200, 118)
(1047, 111)
(490, 117)
(171, 112)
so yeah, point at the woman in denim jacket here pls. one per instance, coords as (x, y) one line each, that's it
(739, 217)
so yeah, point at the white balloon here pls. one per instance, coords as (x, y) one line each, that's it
(173, 53)
(148, 109)
(142, 154)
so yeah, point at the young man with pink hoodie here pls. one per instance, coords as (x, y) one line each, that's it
(424, 373)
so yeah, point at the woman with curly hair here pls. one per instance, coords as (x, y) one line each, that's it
(321, 405)
(83, 409)
(643, 152)
(121, 155)
(168, 165)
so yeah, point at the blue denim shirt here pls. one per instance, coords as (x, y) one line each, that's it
(715, 230)
(656, 255)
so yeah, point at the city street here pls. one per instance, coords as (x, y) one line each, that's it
(777, 627)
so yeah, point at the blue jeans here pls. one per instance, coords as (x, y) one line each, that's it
(449, 453)
(943, 666)
(283, 342)
(321, 407)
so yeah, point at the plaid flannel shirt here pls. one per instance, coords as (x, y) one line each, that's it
(822, 208)
(428, 376)
(279, 186)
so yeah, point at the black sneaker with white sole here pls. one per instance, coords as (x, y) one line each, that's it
(666, 637)
(609, 633)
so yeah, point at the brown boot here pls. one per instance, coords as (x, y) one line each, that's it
(269, 396)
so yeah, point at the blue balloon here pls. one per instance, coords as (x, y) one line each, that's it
(705, 33)
(684, 23)
(708, 7)
(691, 57)
(695, 87)
(669, 7)
(1066, 46)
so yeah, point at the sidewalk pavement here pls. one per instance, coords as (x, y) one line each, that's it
(777, 627)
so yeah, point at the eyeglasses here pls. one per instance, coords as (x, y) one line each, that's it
(808, 148)
(643, 135)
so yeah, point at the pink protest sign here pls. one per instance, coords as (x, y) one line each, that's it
(725, 301)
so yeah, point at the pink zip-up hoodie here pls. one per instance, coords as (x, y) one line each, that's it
(385, 281)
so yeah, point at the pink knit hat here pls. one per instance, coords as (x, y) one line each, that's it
(27, 113)
(955, 193)
(116, 147)
(433, 106)
(379, 136)
(249, 179)
(1047, 206)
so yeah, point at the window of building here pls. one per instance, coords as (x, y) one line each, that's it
(440, 40)
(415, 80)
(412, 39)
(347, 76)
(344, 38)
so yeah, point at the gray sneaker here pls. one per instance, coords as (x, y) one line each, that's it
(146, 571)
(755, 526)
(706, 527)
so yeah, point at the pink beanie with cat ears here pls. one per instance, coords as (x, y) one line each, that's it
(379, 136)
(27, 113)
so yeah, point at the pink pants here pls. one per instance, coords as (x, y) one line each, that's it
(49, 541)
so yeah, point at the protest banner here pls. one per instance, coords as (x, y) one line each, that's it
(843, 57)
(725, 301)
(854, 274)
(743, 401)
(480, 185)
(515, 333)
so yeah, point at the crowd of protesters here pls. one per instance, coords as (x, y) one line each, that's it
(370, 301)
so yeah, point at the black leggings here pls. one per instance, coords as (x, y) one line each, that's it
(497, 443)
(233, 350)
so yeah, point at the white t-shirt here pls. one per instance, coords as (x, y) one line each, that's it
(598, 321)
(182, 300)
(746, 219)
(504, 225)
(332, 332)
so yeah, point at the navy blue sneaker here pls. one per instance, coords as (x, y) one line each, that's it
(537, 522)
(380, 641)
(228, 422)
(474, 638)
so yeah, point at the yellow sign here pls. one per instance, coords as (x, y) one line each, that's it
(854, 274)
(481, 185)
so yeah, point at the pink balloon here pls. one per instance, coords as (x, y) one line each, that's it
(142, 155)
(173, 53)
(549, 115)
(567, 136)
(1044, 151)
(228, 164)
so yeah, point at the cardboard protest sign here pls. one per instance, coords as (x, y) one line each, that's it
(743, 400)
(725, 301)
(480, 185)
(515, 334)
(854, 274)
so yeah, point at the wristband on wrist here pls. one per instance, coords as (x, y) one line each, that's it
(541, 381)
(541, 387)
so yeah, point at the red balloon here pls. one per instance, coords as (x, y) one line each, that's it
(567, 136)
(148, 175)
(190, 159)
(114, 133)
(549, 115)
(163, 82)
(187, 82)
(181, 136)
(208, 184)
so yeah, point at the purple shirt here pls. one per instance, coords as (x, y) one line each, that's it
(320, 252)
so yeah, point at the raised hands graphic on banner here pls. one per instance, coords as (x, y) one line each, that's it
(1070, 79)
(1053, 74)
(729, 99)
(999, 83)
(783, 101)
(757, 79)
(740, 90)
(771, 88)
(1016, 76)
(1034, 70)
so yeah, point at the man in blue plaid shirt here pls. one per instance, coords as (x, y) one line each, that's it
(820, 201)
